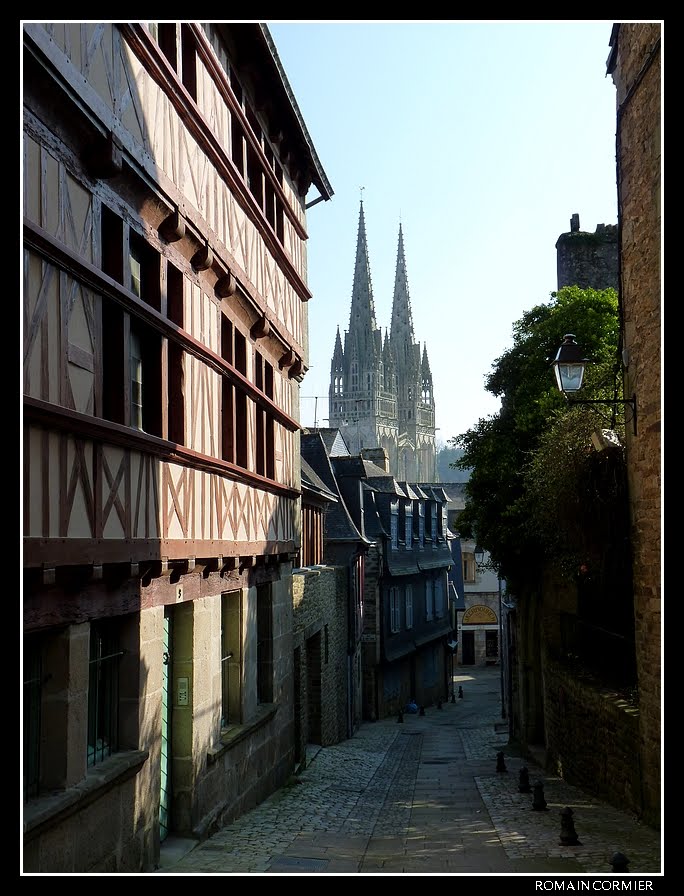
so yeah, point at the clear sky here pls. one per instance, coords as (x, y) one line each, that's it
(482, 138)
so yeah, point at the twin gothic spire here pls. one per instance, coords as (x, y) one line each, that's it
(381, 385)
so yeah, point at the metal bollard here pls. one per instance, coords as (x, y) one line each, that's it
(538, 801)
(568, 835)
(524, 780)
(619, 863)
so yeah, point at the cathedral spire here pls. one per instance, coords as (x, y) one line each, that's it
(425, 364)
(426, 378)
(401, 327)
(338, 355)
(362, 314)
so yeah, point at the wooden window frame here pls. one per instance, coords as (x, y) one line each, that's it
(231, 658)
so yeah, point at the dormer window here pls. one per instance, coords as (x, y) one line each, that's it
(408, 525)
(432, 522)
(442, 521)
(394, 525)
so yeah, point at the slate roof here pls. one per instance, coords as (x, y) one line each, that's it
(338, 523)
(312, 482)
(455, 491)
(333, 441)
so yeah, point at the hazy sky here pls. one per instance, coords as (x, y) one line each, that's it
(482, 138)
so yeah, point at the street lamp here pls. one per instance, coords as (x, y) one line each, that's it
(479, 553)
(569, 365)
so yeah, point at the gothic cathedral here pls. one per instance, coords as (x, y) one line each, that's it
(381, 387)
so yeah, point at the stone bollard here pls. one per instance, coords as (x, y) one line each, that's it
(524, 780)
(500, 762)
(619, 863)
(538, 801)
(460, 691)
(568, 835)
(421, 711)
(400, 716)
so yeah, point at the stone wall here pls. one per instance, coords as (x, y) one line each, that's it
(222, 778)
(592, 738)
(320, 632)
(372, 608)
(636, 70)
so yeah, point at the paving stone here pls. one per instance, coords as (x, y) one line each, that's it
(423, 799)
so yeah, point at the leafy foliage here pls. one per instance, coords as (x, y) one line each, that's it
(577, 504)
(531, 464)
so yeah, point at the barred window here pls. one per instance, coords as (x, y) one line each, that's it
(103, 692)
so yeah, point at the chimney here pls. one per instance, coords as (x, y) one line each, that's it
(378, 456)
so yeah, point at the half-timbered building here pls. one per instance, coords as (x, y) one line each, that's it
(165, 173)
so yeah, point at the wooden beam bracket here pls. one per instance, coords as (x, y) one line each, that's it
(172, 228)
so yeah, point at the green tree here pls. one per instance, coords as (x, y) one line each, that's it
(446, 462)
(520, 480)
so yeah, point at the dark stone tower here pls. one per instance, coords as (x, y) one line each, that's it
(381, 392)
(588, 260)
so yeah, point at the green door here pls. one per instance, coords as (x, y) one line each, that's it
(165, 793)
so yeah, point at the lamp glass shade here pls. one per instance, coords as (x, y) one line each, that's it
(568, 365)
(569, 377)
(479, 554)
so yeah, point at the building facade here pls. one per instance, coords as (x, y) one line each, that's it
(381, 391)
(343, 550)
(165, 170)
(479, 594)
(635, 66)
(406, 613)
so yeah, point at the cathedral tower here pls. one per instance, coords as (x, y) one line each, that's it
(381, 391)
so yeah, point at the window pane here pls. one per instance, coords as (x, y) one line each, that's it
(103, 692)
